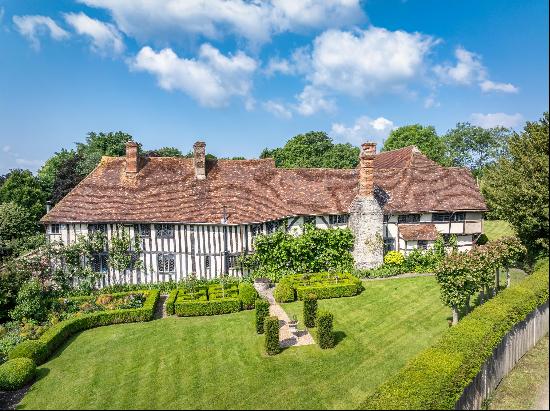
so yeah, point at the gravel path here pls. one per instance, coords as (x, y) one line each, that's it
(286, 337)
(541, 403)
(160, 311)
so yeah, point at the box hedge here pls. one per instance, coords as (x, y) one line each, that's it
(262, 311)
(59, 333)
(16, 373)
(271, 331)
(195, 308)
(310, 310)
(323, 285)
(325, 334)
(284, 293)
(247, 295)
(437, 377)
(324, 291)
(171, 302)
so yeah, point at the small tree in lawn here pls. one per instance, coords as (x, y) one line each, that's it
(457, 282)
(513, 250)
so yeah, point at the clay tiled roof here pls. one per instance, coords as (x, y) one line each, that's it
(418, 231)
(166, 190)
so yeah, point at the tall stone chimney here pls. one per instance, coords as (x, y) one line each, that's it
(199, 159)
(366, 169)
(366, 215)
(132, 157)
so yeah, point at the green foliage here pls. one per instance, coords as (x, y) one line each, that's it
(262, 311)
(164, 152)
(313, 150)
(124, 252)
(424, 138)
(315, 250)
(329, 290)
(30, 302)
(271, 331)
(171, 302)
(516, 187)
(284, 292)
(55, 336)
(247, 295)
(394, 258)
(16, 226)
(212, 300)
(15, 374)
(23, 189)
(325, 334)
(56, 172)
(437, 377)
(310, 310)
(98, 145)
(32, 349)
(476, 147)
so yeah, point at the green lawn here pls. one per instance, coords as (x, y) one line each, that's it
(495, 229)
(519, 389)
(218, 362)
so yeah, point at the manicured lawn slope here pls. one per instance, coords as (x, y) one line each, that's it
(217, 362)
(495, 229)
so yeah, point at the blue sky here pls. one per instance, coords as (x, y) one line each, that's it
(247, 75)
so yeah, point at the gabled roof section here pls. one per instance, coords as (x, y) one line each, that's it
(165, 190)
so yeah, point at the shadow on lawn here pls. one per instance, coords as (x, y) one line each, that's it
(339, 336)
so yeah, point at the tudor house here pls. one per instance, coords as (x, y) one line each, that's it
(194, 215)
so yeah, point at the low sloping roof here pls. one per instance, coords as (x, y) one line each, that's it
(418, 231)
(166, 190)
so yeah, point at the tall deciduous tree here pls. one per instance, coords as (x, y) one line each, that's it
(24, 189)
(98, 145)
(48, 172)
(311, 150)
(476, 147)
(516, 187)
(425, 138)
(164, 152)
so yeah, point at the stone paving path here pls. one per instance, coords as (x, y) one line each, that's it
(286, 337)
(160, 311)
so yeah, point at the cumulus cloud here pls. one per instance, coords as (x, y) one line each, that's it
(365, 128)
(312, 100)
(277, 109)
(32, 27)
(468, 70)
(105, 37)
(211, 78)
(255, 21)
(497, 119)
(489, 85)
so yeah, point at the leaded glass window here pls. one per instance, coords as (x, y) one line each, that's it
(271, 226)
(338, 219)
(143, 230)
(446, 217)
(408, 218)
(100, 263)
(93, 228)
(232, 261)
(54, 229)
(309, 220)
(166, 263)
(207, 262)
(256, 229)
(165, 230)
(423, 244)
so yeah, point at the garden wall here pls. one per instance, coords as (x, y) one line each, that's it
(514, 345)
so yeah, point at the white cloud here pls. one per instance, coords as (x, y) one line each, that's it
(497, 119)
(364, 129)
(32, 27)
(211, 79)
(6, 149)
(255, 21)
(104, 36)
(431, 101)
(312, 100)
(469, 70)
(489, 85)
(367, 61)
(277, 109)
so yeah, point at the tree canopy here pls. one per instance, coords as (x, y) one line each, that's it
(425, 138)
(98, 145)
(516, 187)
(475, 147)
(24, 189)
(313, 150)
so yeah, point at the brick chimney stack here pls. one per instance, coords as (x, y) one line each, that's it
(366, 169)
(199, 159)
(132, 157)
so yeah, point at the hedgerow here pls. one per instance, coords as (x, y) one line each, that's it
(262, 311)
(247, 295)
(59, 333)
(323, 285)
(194, 308)
(171, 301)
(437, 377)
(14, 374)
(271, 331)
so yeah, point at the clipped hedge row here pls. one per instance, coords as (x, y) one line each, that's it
(345, 289)
(193, 308)
(323, 285)
(40, 350)
(437, 377)
(171, 302)
(262, 311)
(14, 374)
(247, 295)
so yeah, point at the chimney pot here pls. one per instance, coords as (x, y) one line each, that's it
(199, 160)
(366, 169)
(132, 157)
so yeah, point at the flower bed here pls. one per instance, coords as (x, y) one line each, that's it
(322, 285)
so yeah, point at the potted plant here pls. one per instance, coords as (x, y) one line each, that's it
(293, 324)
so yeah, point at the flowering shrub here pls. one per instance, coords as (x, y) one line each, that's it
(394, 258)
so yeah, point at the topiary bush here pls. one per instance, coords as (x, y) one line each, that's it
(247, 295)
(271, 330)
(394, 258)
(325, 335)
(14, 374)
(262, 311)
(171, 302)
(284, 293)
(310, 310)
(32, 349)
